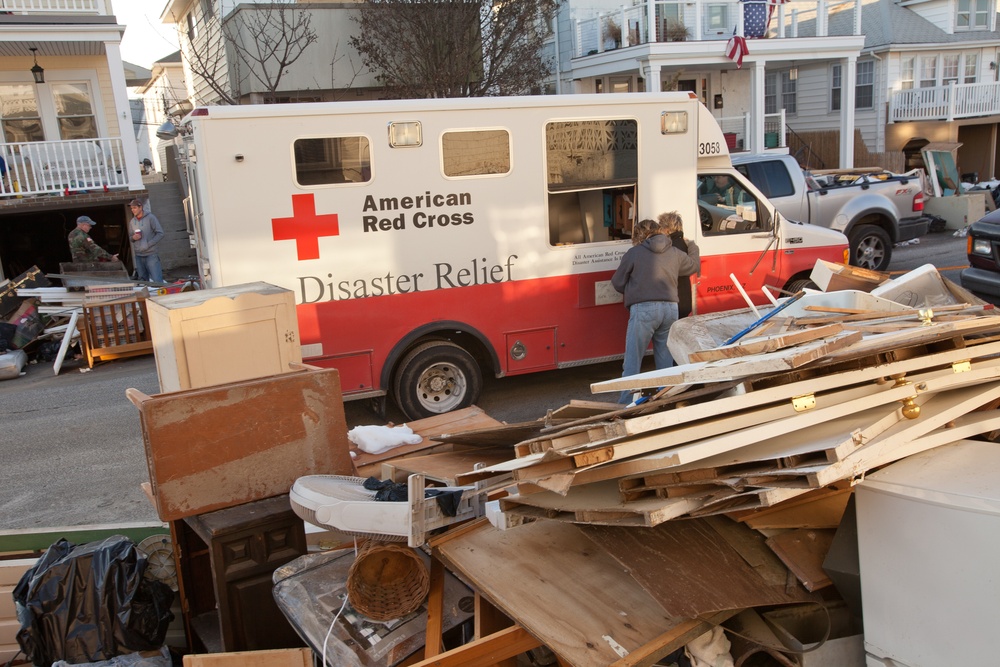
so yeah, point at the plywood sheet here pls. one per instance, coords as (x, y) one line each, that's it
(559, 586)
(689, 568)
(220, 446)
(803, 551)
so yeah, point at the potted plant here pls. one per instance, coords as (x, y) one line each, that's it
(674, 30)
(612, 34)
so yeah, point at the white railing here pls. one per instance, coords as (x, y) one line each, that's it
(956, 100)
(700, 20)
(62, 167)
(54, 6)
(737, 129)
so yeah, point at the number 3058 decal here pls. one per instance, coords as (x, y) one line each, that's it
(709, 148)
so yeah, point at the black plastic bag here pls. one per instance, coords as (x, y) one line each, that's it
(89, 603)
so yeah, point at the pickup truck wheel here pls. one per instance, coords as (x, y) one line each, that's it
(436, 377)
(870, 248)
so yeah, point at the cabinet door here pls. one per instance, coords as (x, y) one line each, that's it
(238, 345)
(255, 622)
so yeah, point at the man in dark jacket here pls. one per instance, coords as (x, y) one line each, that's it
(648, 276)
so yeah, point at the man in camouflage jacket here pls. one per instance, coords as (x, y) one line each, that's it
(83, 248)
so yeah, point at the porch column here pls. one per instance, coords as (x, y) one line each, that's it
(848, 80)
(757, 107)
(123, 113)
(651, 73)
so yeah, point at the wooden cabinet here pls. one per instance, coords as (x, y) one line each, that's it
(211, 337)
(227, 560)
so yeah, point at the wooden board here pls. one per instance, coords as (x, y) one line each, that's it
(287, 657)
(762, 344)
(804, 551)
(470, 418)
(216, 447)
(556, 584)
(443, 467)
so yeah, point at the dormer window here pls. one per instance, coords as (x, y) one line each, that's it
(973, 15)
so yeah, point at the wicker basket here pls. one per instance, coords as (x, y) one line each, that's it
(387, 581)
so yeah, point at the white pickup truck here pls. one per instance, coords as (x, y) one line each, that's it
(873, 214)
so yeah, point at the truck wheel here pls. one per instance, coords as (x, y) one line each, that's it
(797, 286)
(870, 248)
(436, 377)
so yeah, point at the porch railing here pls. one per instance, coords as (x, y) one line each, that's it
(62, 167)
(683, 20)
(54, 6)
(956, 100)
(737, 129)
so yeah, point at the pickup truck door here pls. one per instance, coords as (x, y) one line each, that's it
(735, 237)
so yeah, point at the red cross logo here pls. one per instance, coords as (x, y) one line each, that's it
(305, 227)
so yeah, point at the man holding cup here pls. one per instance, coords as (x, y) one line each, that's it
(146, 234)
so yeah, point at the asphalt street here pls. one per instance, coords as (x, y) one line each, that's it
(71, 449)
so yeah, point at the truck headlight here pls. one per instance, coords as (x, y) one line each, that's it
(982, 246)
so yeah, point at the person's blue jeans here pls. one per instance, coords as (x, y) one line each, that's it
(647, 321)
(148, 268)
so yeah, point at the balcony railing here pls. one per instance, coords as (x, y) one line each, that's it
(54, 6)
(956, 100)
(62, 167)
(683, 20)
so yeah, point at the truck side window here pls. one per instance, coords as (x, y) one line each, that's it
(592, 169)
(475, 152)
(725, 207)
(332, 160)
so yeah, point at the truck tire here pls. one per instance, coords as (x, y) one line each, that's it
(436, 377)
(871, 247)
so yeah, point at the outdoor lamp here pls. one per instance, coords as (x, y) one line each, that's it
(36, 70)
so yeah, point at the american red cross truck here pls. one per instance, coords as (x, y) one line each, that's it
(431, 241)
(874, 213)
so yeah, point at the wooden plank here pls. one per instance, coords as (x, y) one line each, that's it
(501, 435)
(816, 386)
(443, 467)
(577, 409)
(286, 657)
(821, 508)
(803, 552)
(730, 369)
(762, 344)
(551, 580)
(470, 418)
(689, 569)
(230, 444)
(485, 651)
(683, 633)
(40, 539)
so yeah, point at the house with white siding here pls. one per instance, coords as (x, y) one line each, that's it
(882, 73)
(68, 146)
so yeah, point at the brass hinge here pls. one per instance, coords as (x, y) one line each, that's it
(804, 402)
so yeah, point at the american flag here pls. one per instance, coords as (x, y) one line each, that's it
(736, 48)
(757, 16)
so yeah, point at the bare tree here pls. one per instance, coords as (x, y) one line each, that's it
(455, 48)
(255, 43)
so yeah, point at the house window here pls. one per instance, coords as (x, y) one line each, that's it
(928, 71)
(779, 84)
(971, 66)
(19, 113)
(717, 19)
(864, 89)
(864, 86)
(475, 152)
(74, 111)
(207, 10)
(192, 26)
(973, 15)
(836, 75)
(949, 68)
(332, 160)
(621, 84)
(906, 69)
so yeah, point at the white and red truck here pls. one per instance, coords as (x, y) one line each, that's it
(431, 241)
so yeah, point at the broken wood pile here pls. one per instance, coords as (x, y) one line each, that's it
(766, 419)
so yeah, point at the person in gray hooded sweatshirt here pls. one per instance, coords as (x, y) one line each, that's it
(648, 277)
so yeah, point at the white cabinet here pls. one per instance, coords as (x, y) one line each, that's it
(928, 538)
(210, 337)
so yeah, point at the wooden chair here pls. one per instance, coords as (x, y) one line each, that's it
(115, 329)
